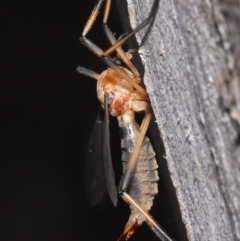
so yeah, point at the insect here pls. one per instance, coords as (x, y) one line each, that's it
(120, 94)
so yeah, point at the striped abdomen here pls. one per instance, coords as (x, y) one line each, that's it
(143, 183)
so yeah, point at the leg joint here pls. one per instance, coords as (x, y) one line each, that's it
(89, 44)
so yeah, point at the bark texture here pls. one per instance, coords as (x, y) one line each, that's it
(192, 75)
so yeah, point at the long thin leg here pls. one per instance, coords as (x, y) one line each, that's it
(95, 13)
(147, 21)
(114, 42)
(108, 32)
(152, 15)
(120, 51)
(88, 72)
(149, 220)
(107, 11)
(112, 39)
(92, 17)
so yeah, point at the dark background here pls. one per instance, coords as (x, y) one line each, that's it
(47, 112)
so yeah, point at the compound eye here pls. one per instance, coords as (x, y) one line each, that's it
(118, 62)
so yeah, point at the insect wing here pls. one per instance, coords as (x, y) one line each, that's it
(108, 168)
(99, 175)
(95, 183)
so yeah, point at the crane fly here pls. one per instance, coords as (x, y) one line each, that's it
(120, 93)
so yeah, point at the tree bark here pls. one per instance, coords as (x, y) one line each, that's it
(192, 75)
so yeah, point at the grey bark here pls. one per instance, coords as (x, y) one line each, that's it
(192, 75)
